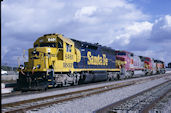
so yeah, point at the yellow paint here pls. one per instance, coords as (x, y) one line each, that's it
(96, 60)
(119, 63)
(50, 85)
(78, 55)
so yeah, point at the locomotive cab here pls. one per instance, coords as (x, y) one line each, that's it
(160, 67)
(133, 64)
(51, 54)
(51, 50)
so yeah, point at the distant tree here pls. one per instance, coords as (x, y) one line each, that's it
(8, 68)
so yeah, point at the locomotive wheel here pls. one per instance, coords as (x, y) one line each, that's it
(44, 89)
(23, 90)
(75, 83)
(108, 79)
(132, 73)
(118, 77)
(59, 85)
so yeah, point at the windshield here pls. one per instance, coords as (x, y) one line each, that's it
(146, 59)
(48, 45)
(121, 53)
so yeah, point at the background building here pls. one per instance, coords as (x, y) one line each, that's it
(169, 65)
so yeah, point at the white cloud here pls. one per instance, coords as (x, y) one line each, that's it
(100, 18)
(139, 27)
(85, 11)
(132, 31)
(117, 23)
(22, 16)
(84, 14)
(162, 29)
(147, 39)
(168, 22)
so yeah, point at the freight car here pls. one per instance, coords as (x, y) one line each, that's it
(58, 61)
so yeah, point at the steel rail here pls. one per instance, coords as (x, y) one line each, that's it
(105, 88)
(18, 93)
(11, 107)
(146, 108)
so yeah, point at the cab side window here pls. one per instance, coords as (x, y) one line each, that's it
(36, 45)
(60, 44)
(129, 55)
(68, 48)
(60, 49)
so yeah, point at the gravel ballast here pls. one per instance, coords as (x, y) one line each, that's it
(57, 91)
(94, 102)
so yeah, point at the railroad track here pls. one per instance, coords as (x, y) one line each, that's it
(142, 102)
(18, 93)
(163, 105)
(25, 105)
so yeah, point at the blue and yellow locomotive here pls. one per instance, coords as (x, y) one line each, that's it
(58, 61)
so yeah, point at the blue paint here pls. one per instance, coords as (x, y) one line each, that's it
(95, 51)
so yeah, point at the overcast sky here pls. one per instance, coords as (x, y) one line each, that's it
(140, 26)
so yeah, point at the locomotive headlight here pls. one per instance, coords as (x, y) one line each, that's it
(38, 66)
(21, 67)
(34, 67)
(34, 51)
(49, 50)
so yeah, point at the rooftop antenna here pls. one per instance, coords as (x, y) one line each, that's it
(18, 60)
(97, 43)
(24, 57)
